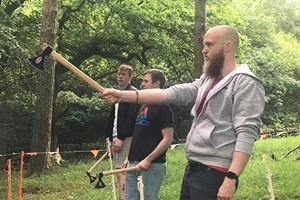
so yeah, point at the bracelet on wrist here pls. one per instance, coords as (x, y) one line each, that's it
(137, 96)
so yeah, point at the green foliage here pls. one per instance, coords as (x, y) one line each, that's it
(17, 85)
(80, 119)
(286, 15)
(132, 32)
(281, 93)
(96, 36)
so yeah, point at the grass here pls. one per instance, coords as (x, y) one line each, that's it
(68, 181)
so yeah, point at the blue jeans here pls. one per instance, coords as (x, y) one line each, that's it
(152, 180)
(201, 185)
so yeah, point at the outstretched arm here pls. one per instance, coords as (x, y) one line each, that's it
(149, 96)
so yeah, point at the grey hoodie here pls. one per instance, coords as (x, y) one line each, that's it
(230, 118)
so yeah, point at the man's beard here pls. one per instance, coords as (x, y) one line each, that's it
(214, 67)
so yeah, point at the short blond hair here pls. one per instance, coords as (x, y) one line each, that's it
(124, 67)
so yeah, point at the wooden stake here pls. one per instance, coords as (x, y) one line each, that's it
(9, 193)
(111, 167)
(141, 187)
(21, 176)
(269, 177)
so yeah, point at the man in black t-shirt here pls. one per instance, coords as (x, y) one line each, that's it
(152, 136)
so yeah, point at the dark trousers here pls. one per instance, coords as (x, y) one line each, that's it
(200, 182)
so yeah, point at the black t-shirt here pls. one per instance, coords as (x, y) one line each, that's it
(147, 133)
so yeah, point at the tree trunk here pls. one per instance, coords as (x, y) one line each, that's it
(2, 144)
(41, 139)
(199, 31)
(6, 122)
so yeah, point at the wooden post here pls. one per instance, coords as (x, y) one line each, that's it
(269, 177)
(111, 167)
(9, 193)
(21, 176)
(141, 187)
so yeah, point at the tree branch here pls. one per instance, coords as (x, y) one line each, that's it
(10, 8)
(67, 13)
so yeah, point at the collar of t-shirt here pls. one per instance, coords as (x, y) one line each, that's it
(216, 80)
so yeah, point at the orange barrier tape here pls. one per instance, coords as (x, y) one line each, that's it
(31, 154)
(95, 152)
(53, 152)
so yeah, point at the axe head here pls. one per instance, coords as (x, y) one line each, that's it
(100, 183)
(38, 61)
(92, 178)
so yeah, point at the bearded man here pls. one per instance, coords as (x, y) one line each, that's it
(227, 104)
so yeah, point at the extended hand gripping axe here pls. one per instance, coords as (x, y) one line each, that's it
(38, 63)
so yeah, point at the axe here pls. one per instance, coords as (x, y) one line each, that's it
(88, 173)
(101, 184)
(38, 63)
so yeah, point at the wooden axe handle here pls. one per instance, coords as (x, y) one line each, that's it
(74, 69)
(117, 171)
(98, 161)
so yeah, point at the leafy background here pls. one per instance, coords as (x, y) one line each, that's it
(98, 35)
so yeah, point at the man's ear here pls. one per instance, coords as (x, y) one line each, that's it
(157, 84)
(228, 46)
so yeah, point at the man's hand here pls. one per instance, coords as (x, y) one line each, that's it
(111, 95)
(227, 189)
(125, 163)
(117, 146)
(144, 164)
